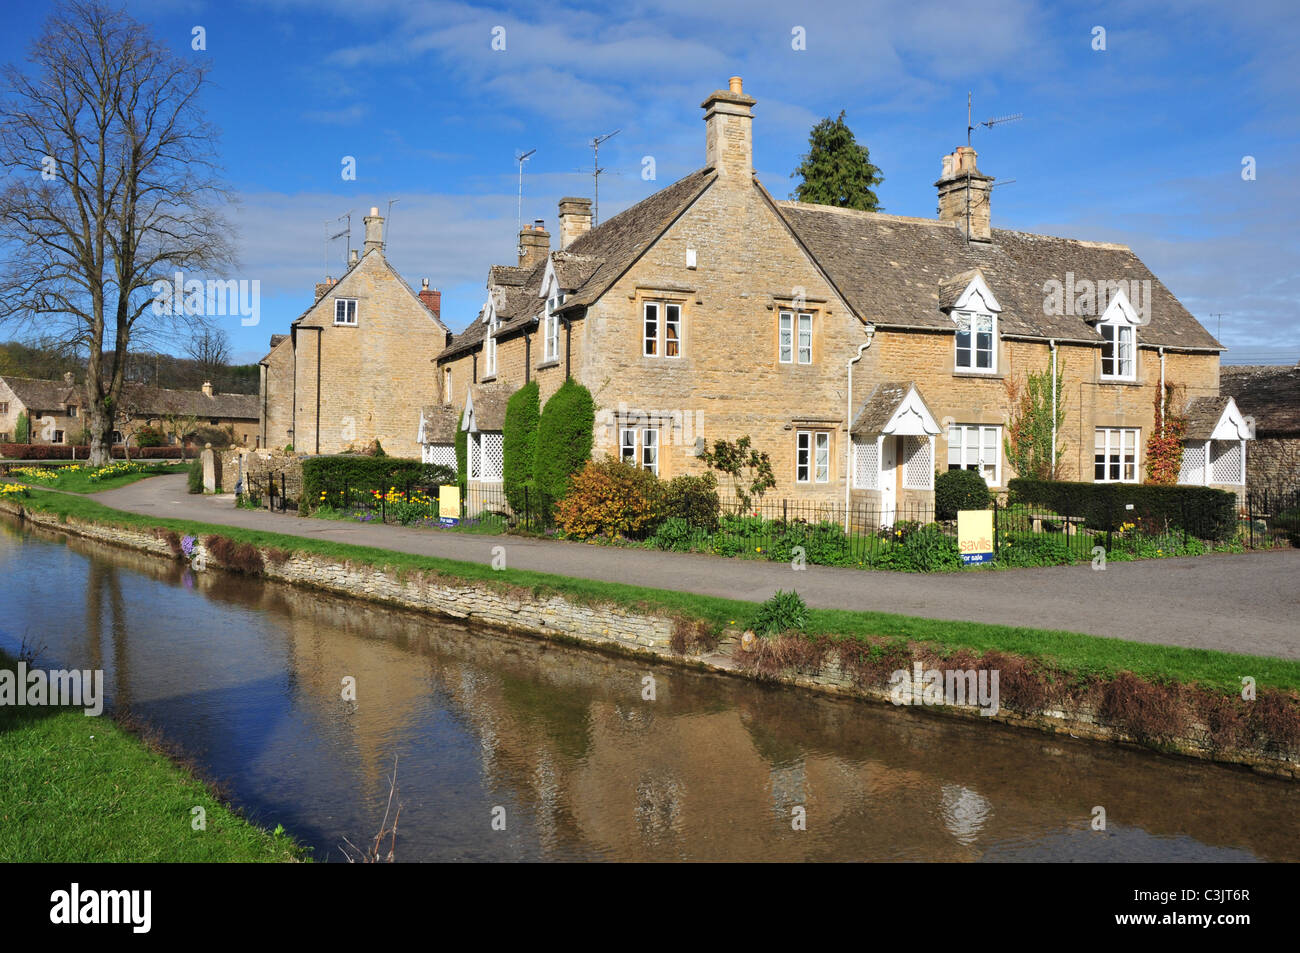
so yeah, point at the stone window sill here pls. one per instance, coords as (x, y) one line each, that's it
(554, 362)
(976, 375)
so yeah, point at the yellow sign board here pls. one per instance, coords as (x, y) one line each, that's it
(975, 536)
(449, 505)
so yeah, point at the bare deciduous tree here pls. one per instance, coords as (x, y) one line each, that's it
(209, 348)
(110, 184)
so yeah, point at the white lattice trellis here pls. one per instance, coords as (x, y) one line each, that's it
(1225, 465)
(918, 468)
(866, 464)
(1192, 470)
(472, 454)
(443, 454)
(493, 454)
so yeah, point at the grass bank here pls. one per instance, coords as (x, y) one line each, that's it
(79, 789)
(1084, 656)
(75, 477)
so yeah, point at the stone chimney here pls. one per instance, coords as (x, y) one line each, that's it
(729, 133)
(374, 231)
(962, 185)
(354, 257)
(575, 220)
(323, 287)
(207, 388)
(431, 299)
(534, 244)
(68, 379)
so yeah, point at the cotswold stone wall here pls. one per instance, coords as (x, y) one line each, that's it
(258, 465)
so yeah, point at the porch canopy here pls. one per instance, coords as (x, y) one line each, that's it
(1214, 442)
(894, 424)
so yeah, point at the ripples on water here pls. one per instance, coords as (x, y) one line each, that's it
(246, 678)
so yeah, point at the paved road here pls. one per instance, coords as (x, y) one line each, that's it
(1244, 603)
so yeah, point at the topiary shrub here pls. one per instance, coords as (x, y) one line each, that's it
(519, 444)
(693, 499)
(462, 458)
(609, 498)
(959, 490)
(195, 477)
(565, 434)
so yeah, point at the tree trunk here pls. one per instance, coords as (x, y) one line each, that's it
(101, 436)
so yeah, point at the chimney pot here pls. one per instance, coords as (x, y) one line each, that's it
(737, 85)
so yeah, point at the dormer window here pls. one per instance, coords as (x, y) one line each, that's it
(345, 311)
(975, 336)
(1118, 330)
(973, 309)
(551, 329)
(490, 345)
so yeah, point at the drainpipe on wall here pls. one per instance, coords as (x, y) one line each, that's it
(1161, 349)
(1051, 342)
(848, 423)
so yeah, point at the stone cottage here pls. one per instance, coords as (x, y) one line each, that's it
(354, 367)
(861, 351)
(1269, 397)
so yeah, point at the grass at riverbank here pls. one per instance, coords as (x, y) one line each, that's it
(75, 478)
(1075, 653)
(79, 789)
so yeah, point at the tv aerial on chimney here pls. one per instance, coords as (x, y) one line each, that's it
(596, 170)
(987, 123)
(329, 238)
(521, 158)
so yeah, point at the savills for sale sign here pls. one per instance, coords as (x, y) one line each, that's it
(975, 536)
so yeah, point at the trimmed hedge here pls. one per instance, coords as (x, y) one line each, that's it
(153, 453)
(1202, 511)
(519, 443)
(361, 474)
(956, 490)
(36, 451)
(565, 435)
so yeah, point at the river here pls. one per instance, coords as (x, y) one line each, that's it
(246, 678)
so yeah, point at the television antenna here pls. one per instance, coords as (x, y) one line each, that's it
(987, 123)
(596, 170)
(521, 158)
(1218, 328)
(388, 219)
(346, 231)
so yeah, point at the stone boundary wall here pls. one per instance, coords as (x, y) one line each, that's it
(619, 629)
(258, 465)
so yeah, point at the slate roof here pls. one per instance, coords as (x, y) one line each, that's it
(157, 401)
(893, 270)
(490, 404)
(1202, 414)
(618, 242)
(1269, 393)
(880, 406)
(440, 422)
(573, 271)
(39, 394)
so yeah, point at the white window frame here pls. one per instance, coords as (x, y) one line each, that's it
(1121, 370)
(785, 337)
(808, 445)
(973, 350)
(672, 320)
(804, 328)
(490, 349)
(655, 330)
(551, 335)
(627, 447)
(650, 328)
(650, 450)
(821, 456)
(348, 319)
(1113, 445)
(981, 466)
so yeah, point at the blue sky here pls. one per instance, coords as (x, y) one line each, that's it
(1141, 143)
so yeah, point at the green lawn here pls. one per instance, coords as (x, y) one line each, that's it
(78, 480)
(1070, 652)
(78, 789)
